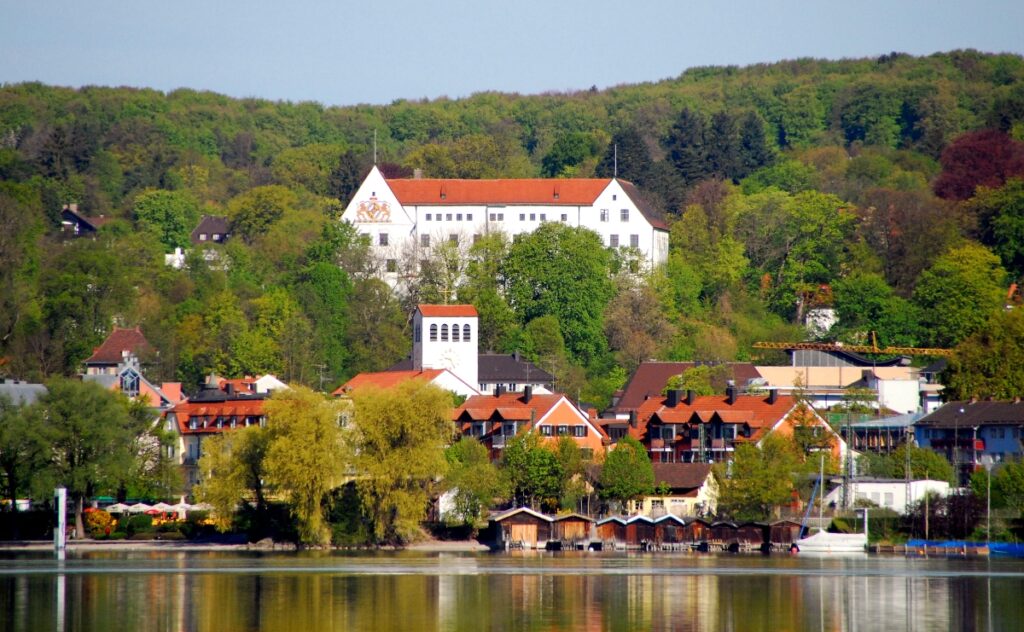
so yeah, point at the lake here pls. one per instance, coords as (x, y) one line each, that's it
(241, 591)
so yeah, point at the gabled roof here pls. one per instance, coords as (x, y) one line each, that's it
(517, 510)
(502, 368)
(682, 476)
(650, 378)
(120, 340)
(975, 414)
(211, 224)
(506, 407)
(755, 410)
(239, 407)
(92, 222)
(447, 311)
(386, 379)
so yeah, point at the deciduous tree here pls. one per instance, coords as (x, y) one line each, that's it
(627, 474)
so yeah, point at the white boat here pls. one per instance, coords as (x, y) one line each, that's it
(825, 542)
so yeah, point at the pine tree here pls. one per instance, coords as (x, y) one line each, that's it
(629, 150)
(723, 146)
(754, 152)
(687, 147)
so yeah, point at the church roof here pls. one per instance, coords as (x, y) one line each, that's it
(447, 311)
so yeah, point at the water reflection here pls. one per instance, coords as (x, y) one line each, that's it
(215, 591)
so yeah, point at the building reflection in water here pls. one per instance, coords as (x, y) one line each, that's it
(584, 595)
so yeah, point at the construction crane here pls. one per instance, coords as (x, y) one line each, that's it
(873, 348)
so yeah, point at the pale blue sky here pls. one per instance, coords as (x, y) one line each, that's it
(343, 52)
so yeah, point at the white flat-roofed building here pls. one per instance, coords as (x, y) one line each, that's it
(403, 216)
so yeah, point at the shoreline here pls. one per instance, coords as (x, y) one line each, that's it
(79, 546)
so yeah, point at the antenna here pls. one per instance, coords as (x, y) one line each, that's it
(374, 148)
(615, 161)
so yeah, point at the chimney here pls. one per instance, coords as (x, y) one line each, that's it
(672, 399)
(632, 419)
(730, 395)
(229, 388)
(773, 396)
(691, 397)
(527, 394)
(417, 174)
(499, 390)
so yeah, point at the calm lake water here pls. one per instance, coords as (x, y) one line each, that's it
(228, 592)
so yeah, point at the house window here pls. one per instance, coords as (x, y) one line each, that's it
(465, 333)
(455, 333)
(508, 429)
(425, 241)
(428, 217)
(604, 215)
(130, 384)
(216, 236)
(448, 217)
(533, 217)
(579, 431)
(391, 265)
(469, 217)
(522, 217)
(444, 333)
(634, 241)
(382, 239)
(565, 218)
(543, 217)
(613, 241)
(501, 217)
(624, 215)
(614, 197)
(193, 423)
(493, 216)
(545, 430)
(416, 333)
(563, 431)
(202, 236)
(433, 333)
(458, 217)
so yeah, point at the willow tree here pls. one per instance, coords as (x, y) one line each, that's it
(399, 435)
(233, 471)
(306, 456)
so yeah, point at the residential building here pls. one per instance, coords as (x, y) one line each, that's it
(880, 436)
(212, 229)
(689, 428)
(650, 379)
(405, 217)
(107, 357)
(496, 418)
(970, 433)
(210, 412)
(20, 392)
(886, 493)
(692, 491)
(76, 224)
(127, 377)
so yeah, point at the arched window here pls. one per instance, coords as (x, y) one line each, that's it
(465, 333)
(455, 333)
(433, 333)
(444, 333)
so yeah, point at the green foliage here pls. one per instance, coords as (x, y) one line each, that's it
(759, 479)
(1000, 216)
(534, 471)
(233, 468)
(399, 440)
(24, 449)
(475, 481)
(627, 474)
(865, 303)
(989, 362)
(924, 463)
(703, 379)
(1008, 485)
(959, 293)
(562, 271)
(169, 215)
(254, 212)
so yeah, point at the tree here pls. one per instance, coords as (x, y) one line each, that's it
(92, 432)
(636, 326)
(687, 147)
(533, 470)
(723, 148)
(983, 158)
(758, 479)
(627, 157)
(924, 464)
(627, 474)
(24, 448)
(1000, 216)
(169, 215)
(990, 362)
(255, 211)
(307, 455)
(399, 437)
(754, 151)
(482, 287)
(864, 303)
(1008, 485)
(562, 271)
(959, 293)
(703, 379)
(569, 151)
(573, 464)
(474, 480)
(233, 469)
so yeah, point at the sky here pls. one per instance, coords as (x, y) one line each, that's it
(346, 53)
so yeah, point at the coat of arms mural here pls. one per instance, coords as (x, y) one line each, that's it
(373, 210)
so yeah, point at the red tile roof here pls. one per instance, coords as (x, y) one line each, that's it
(208, 412)
(447, 311)
(681, 475)
(506, 407)
(386, 379)
(754, 410)
(650, 378)
(567, 191)
(119, 340)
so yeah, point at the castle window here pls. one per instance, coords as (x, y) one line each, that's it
(455, 333)
(425, 241)
(433, 333)
(444, 333)
(382, 239)
(465, 333)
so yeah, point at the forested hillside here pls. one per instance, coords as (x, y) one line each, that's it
(889, 188)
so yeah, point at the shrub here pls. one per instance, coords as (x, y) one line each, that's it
(98, 523)
(138, 524)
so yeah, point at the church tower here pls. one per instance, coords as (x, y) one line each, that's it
(445, 337)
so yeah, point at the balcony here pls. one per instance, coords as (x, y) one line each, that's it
(498, 441)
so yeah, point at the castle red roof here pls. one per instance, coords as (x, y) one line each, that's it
(386, 379)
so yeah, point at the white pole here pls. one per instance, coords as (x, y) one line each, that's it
(61, 497)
